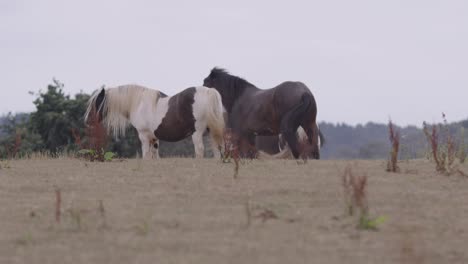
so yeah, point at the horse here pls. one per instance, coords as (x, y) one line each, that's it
(157, 116)
(255, 112)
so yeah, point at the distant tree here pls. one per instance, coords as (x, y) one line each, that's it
(56, 116)
(16, 139)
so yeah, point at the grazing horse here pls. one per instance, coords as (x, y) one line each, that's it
(157, 116)
(255, 112)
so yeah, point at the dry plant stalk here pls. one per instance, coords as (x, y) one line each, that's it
(101, 209)
(231, 150)
(248, 212)
(355, 192)
(58, 204)
(443, 152)
(433, 139)
(462, 147)
(96, 132)
(102, 213)
(394, 137)
(97, 137)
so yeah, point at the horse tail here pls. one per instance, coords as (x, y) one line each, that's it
(292, 120)
(215, 118)
(302, 135)
(321, 137)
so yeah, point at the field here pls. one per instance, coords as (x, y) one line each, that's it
(193, 211)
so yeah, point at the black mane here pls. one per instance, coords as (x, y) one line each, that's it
(229, 86)
(233, 81)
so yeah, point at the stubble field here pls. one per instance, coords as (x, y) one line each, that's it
(193, 211)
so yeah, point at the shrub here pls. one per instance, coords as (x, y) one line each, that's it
(442, 146)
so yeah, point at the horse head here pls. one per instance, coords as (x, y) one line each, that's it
(99, 104)
(230, 87)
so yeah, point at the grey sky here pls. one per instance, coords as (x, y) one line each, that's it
(363, 60)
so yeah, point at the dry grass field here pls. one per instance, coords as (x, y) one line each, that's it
(193, 211)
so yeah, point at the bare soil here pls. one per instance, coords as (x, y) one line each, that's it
(193, 211)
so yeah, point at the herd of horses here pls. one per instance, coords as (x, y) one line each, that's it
(278, 121)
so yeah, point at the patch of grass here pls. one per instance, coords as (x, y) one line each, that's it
(371, 223)
(24, 240)
(97, 155)
(355, 194)
(5, 164)
(76, 217)
(142, 228)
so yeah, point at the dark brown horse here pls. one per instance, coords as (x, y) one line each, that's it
(255, 112)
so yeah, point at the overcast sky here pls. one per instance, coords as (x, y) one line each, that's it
(363, 60)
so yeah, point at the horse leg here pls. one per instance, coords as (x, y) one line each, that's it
(216, 148)
(217, 142)
(147, 146)
(288, 133)
(154, 148)
(247, 145)
(197, 138)
(144, 147)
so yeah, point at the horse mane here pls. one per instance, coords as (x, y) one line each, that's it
(234, 81)
(232, 87)
(119, 103)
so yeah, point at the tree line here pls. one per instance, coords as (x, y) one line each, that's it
(57, 126)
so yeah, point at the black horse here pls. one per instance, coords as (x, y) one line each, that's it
(255, 112)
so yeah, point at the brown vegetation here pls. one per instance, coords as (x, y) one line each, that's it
(13, 148)
(231, 150)
(97, 139)
(443, 148)
(355, 192)
(394, 136)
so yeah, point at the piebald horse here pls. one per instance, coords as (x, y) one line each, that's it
(255, 112)
(157, 116)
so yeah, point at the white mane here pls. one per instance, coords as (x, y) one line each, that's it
(119, 103)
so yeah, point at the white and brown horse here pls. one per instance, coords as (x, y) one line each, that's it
(159, 117)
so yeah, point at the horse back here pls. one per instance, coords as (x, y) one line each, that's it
(288, 94)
